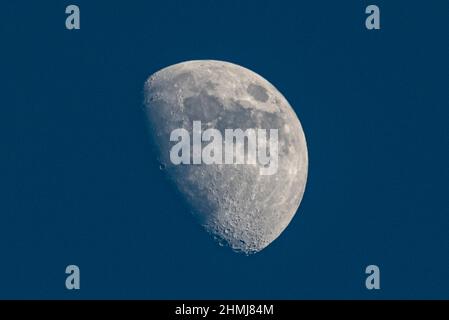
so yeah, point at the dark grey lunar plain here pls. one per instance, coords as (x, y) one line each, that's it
(234, 203)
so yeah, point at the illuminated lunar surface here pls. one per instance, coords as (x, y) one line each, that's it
(235, 203)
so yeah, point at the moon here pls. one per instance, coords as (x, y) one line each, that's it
(237, 205)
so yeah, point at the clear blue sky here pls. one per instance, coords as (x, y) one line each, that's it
(80, 186)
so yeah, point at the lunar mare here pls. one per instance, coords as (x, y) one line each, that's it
(238, 206)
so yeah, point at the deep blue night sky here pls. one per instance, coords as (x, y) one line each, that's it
(79, 184)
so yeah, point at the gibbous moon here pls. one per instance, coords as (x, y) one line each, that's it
(235, 203)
